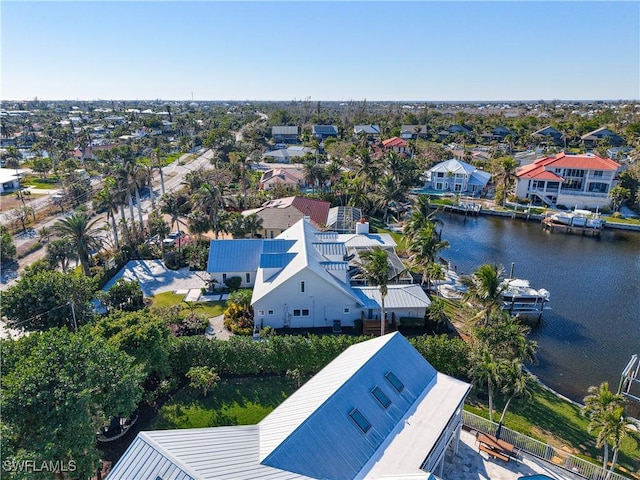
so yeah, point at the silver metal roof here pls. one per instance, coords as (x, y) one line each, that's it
(398, 296)
(221, 453)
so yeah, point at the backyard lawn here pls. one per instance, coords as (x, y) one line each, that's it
(548, 418)
(235, 401)
(168, 299)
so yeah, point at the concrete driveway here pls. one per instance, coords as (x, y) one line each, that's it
(153, 277)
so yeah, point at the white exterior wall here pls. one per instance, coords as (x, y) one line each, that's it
(324, 301)
(9, 186)
(569, 198)
(584, 201)
(243, 275)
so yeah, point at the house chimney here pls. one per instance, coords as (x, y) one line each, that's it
(362, 227)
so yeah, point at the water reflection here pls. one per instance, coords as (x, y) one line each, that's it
(593, 327)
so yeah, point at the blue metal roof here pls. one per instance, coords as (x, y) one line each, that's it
(241, 255)
(329, 444)
(277, 245)
(276, 260)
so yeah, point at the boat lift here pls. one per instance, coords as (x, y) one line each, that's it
(630, 386)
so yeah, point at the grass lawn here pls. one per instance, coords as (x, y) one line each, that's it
(548, 418)
(168, 299)
(632, 221)
(37, 182)
(235, 401)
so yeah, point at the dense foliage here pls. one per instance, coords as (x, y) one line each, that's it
(43, 299)
(278, 354)
(7, 248)
(58, 389)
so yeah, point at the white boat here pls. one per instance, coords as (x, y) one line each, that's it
(578, 218)
(523, 301)
(451, 291)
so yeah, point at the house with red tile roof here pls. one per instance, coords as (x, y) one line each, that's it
(582, 181)
(396, 144)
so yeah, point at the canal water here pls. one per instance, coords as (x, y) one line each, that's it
(593, 326)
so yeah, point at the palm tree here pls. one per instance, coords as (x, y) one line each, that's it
(485, 287)
(617, 429)
(61, 252)
(517, 383)
(84, 235)
(253, 223)
(209, 198)
(171, 205)
(375, 266)
(486, 370)
(605, 411)
(109, 199)
(506, 175)
(155, 162)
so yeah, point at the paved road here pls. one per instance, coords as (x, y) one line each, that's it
(174, 174)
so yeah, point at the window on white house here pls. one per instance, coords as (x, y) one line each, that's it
(248, 278)
(305, 312)
(302, 287)
(224, 277)
(346, 310)
(296, 312)
(269, 312)
(260, 312)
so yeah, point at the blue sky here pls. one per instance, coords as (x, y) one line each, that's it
(419, 50)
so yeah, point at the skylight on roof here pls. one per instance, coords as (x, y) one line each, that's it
(381, 397)
(394, 381)
(362, 423)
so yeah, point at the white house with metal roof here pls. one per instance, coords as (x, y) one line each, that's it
(456, 176)
(303, 278)
(379, 410)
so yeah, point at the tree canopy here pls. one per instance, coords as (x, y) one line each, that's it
(42, 299)
(58, 389)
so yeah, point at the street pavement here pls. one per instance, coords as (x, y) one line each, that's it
(174, 174)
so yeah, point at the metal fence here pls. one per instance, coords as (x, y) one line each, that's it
(546, 452)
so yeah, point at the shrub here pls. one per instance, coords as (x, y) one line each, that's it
(233, 283)
(238, 319)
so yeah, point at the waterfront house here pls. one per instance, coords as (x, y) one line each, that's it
(322, 132)
(582, 181)
(591, 139)
(307, 278)
(456, 176)
(379, 410)
(284, 134)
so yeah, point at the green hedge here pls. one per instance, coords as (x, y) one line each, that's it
(277, 354)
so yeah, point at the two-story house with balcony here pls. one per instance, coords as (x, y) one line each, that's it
(456, 176)
(582, 181)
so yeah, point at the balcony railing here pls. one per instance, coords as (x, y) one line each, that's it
(546, 452)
